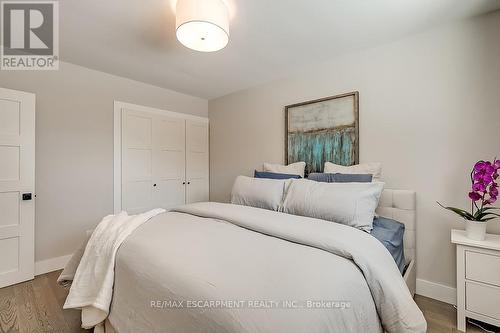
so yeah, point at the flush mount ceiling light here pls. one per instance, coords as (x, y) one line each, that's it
(202, 25)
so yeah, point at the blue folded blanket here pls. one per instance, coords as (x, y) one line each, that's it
(390, 233)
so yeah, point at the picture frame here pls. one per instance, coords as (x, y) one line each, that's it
(323, 130)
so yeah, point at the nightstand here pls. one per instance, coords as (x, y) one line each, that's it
(478, 279)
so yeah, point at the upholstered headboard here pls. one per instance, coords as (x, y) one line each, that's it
(400, 205)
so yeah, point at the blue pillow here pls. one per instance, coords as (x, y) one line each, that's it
(322, 177)
(272, 175)
(352, 178)
(390, 233)
(340, 178)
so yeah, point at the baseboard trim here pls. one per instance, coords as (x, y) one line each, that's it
(52, 264)
(437, 291)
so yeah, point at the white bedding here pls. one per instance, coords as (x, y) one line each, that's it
(210, 251)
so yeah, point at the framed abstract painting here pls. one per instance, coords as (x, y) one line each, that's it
(323, 130)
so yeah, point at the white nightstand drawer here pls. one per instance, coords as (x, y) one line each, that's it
(482, 267)
(478, 279)
(482, 299)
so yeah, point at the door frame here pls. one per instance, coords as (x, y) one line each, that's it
(117, 139)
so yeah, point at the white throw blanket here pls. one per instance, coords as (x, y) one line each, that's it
(92, 287)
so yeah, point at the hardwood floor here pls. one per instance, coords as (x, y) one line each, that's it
(442, 317)
(36, 306)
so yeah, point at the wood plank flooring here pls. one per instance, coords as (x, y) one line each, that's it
(36, 306)
(442, 317)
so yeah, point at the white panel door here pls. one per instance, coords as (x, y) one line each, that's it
(197, 162)
(169, 161)
(17, 185)
(137, 161)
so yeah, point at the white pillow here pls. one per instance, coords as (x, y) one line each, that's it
(291, 169)
(258, 192)
(352, 204)
(374, 168)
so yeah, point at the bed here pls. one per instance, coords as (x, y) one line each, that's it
(400, 205)
(212, 267)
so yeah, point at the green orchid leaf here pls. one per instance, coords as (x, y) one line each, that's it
(487, 219)
(480, 217)
(463, 213)
(482, 212)
(485, 209)
(489, 208)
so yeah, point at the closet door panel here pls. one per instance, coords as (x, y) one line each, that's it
(137, 161)
(171, 164)
(139, 195)
(197, 163)
(197, 191)
(139, 164)
(138, 129)
(169, 169)
(170, 194)
(171, 134)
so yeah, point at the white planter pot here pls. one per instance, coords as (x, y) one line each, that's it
(475, 230)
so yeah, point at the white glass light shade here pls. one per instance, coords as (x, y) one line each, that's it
(202, 25)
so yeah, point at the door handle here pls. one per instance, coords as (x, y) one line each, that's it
(183, 183)
(189, 183)
(27, 196)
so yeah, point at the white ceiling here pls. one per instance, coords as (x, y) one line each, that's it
(269, 38)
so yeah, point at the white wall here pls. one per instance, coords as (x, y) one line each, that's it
(429, 108)
(74, 146)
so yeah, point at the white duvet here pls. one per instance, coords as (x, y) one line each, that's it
(212, 251)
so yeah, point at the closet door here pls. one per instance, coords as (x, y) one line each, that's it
(169, 162)
(197, 163)
(161, 158)
(137, 161)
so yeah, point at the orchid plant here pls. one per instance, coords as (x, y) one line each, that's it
(483, 194)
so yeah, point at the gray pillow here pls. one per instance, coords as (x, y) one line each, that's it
(340, 178)
(352, 204)
(258, 192)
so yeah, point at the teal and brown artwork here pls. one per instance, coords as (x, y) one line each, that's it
(324, 130)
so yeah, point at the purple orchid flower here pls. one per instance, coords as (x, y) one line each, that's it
(479, 187)
(474, 196)
(484, 192)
